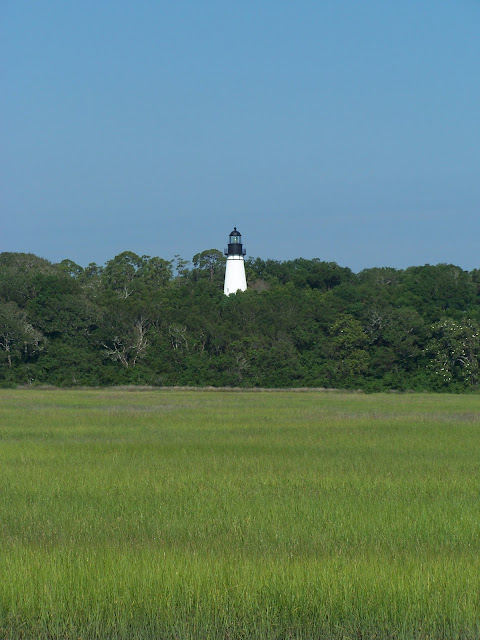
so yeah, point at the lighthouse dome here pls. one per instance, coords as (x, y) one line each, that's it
(235, 247)
(235, 237)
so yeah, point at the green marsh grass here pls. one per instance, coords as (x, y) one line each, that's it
(188, 514)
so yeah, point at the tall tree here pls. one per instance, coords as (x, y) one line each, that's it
(18, 338)
(454, 351)
(211, 263)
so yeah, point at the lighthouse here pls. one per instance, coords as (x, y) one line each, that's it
(235, 269)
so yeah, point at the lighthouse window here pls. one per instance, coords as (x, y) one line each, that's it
(235, 239)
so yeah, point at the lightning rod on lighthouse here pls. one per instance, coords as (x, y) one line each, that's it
(235, 279)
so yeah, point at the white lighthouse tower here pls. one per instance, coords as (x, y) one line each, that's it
(235, 270)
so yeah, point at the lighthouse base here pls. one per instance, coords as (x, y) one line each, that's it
(235, 279)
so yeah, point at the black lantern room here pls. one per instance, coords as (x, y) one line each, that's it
(235, 247)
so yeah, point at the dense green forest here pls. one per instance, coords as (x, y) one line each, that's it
(301, 323)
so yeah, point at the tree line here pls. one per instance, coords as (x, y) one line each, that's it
(301, 323)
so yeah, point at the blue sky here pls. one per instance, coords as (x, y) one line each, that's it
(343, 130)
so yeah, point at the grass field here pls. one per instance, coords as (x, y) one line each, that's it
(188, 514)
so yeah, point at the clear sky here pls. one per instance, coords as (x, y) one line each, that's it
(346, 130)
